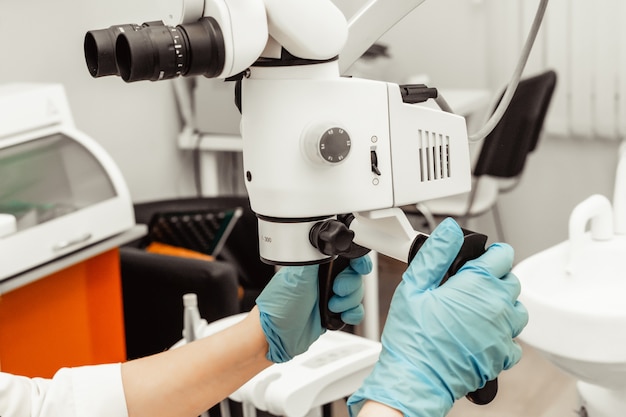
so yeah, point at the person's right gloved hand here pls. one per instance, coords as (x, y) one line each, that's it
(442, 342)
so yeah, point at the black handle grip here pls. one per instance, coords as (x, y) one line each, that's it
(473, 246)
(326, 277)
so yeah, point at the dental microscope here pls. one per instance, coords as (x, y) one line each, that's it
(328, 159)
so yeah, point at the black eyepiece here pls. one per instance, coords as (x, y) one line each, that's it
(100, 49)
(154, 51)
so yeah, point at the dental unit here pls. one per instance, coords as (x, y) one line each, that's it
(574, 293)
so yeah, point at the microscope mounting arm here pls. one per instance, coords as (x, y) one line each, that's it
(307, 29)
(369, 23)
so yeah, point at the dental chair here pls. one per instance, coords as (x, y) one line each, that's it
(502, 157)
(153, 283)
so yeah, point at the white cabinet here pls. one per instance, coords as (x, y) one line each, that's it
(61, 188)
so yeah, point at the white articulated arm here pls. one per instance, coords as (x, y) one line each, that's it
(317, 29)
(369, 23)
(309, 29)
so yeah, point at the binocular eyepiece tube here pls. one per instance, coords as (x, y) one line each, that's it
(154, 51)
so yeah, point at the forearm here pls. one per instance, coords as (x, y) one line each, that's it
(375, 409)
(189, 380)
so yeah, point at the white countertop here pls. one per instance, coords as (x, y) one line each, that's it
(39, 272)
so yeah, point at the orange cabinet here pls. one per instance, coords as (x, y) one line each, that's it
(71, 317)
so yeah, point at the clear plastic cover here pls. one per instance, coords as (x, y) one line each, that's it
(50, 177)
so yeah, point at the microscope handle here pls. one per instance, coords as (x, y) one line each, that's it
(473, 246)
(326, 277)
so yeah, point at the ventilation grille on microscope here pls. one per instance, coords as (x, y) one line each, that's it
(434, 155)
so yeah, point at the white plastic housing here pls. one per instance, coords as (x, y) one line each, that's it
(287, 243)
(176, 12)
(422, 153)
(386, 231)
(244, 27)
(307, 29)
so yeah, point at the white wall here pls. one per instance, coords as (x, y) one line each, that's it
(136, 123)
(448, 46)
(444, 39)
(560, 174)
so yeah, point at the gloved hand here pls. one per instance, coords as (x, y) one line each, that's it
(289, 310)
(440, 343)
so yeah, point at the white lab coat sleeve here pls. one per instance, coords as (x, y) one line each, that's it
(89, 391)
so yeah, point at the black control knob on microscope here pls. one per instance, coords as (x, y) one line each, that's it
(326, 143)
(331, 237)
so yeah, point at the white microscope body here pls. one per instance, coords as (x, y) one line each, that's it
(315, 145)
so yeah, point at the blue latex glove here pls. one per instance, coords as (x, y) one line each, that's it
(289, 310)
(440, 343)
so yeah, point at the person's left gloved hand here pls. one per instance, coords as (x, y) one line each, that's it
(289, 310)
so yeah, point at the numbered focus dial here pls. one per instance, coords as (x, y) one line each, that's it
(327, 145)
